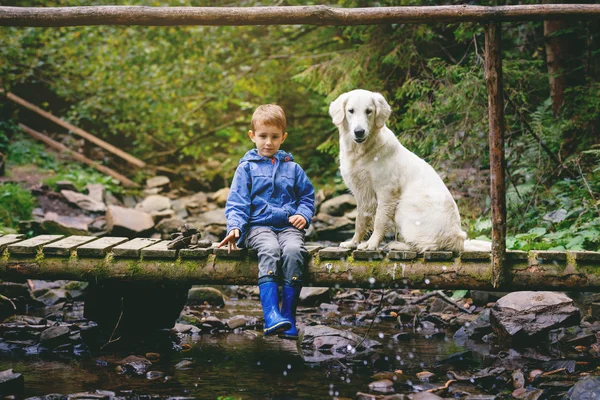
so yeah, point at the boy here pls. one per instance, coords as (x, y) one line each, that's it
(270, 203)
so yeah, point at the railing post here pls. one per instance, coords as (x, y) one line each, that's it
(493, 78)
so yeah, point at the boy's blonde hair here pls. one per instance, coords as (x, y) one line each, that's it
(269, 114)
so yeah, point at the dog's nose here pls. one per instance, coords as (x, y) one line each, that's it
(359, 133)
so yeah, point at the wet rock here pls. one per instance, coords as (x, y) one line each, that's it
(476, 329)
(11, 383)
(135, 365)
(213, 221)
(66, 225)
(395, 299)
(236, 322)
(587, 388)
(55, 336)
(482, 297)
(159, 216)
(96, 191)
(52, 296)
(96, 394)
(160, 181)
(424, 396)
(523, 318)
(154, 375)
(186, 328)
(203, 295)
(338, 205)
(122, 221)
(460, 359)
(83, 201)
(319, 343)
(328, 307)
(154, 202)
(311, 296)
(192, 205)
(384, 386)
(184, 365)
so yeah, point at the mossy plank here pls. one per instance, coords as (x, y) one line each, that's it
(100, 247)
(64, 246)
(159, 250)
(133, 248)
(31, 246)
(9, 239)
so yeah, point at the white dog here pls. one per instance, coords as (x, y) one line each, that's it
(391, 183)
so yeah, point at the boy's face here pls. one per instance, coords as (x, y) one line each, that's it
(268, 139)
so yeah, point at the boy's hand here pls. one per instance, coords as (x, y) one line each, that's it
(231, 240)
(298, 221)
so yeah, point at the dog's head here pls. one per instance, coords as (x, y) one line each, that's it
(360, 113)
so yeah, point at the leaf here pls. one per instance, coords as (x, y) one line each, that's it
(459, 294)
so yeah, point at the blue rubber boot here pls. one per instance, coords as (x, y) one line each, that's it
(289, 302)
(269, 298)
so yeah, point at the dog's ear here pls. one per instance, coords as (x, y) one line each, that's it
(337, 109)
(382, 110)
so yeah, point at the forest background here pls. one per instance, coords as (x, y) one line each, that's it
(182, 98)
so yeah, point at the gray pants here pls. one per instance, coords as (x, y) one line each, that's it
(283, 251)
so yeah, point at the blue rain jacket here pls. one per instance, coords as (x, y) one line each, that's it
(266, 192)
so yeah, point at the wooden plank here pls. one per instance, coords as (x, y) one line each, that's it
(159, 250)
(493, 78)
(78, 131)
(196, 253)
(402, 255)
(101, 247)
(334, 253)
(79, 157)
(368, 255)
(288, 15)
(31, 246)
(9, 239)
(133, 248)
(65, 246)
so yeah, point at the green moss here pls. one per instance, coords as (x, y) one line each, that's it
(134, 267)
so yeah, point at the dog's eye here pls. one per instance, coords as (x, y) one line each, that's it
(351, 111)
(369, 111)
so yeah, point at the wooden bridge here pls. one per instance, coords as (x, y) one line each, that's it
(143, 260)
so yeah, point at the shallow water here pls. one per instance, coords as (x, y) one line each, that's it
(242, 365)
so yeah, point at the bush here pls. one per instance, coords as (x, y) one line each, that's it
(16, 204)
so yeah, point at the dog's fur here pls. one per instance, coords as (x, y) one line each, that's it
(391, 183)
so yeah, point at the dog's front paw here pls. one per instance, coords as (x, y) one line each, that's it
(368, 245)
(349, 244)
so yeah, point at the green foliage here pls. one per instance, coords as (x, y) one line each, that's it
(23, 151)
(81, 176)
(16, 204)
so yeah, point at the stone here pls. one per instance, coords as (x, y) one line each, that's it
(159, 181)
(523, 318)
(55, 336)
(236, 322)
(333, 228)
(66, 225)
(83, 201)
(169, 225)
(122, 221)
(65, 185)
(319, 343)
(382, 386)
(587, 388)
(338, 205)
(52, 296)
(136, 365)
(158, 216)
(96, 191)
(220, 197)
(11, 383)
(478, 328)
(154, 202)
(200, 295)
(312, 296)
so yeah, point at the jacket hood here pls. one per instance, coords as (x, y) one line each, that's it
(252, 155)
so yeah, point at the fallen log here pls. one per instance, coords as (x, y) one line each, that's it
(149, 260)
(79, 157)
(288, 15)
(78, 131)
